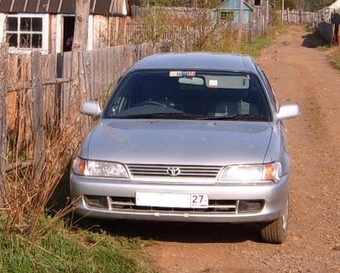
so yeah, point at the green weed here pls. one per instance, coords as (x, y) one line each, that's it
(64, 251)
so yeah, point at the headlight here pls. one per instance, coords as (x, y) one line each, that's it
(98, 168)
(258, 172)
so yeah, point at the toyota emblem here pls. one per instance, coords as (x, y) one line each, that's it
(173, 171)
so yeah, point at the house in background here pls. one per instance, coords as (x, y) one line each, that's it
(229, 11)
(48, 25)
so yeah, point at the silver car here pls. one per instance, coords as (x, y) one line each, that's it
(191, 137)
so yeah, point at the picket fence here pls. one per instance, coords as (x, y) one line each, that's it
(37, 96)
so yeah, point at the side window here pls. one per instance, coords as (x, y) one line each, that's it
(271, 94)
(227, 16)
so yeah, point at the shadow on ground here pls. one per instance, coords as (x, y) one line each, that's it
(175, 232)
(160, 231)
(314, 40)
(60, 198)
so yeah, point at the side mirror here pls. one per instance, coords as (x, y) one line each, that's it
(287, 111)
(91, 108)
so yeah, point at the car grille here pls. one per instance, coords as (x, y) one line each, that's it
(180, 171)
(128, 204)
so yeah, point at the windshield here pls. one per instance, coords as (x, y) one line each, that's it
(188, 95)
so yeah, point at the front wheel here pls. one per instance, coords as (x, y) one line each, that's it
(275, 232)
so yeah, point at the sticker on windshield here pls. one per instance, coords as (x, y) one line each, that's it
(182, 73)
(213, 83)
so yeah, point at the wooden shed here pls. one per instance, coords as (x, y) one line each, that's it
(230, 10)
(48, 25)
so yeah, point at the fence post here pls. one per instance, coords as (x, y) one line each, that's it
(37, 114)
(3, 116)
(288, 15)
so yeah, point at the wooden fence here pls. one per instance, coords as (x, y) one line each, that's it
(37, 97)
(298, 17)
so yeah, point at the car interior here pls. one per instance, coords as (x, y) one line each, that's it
(154, 92)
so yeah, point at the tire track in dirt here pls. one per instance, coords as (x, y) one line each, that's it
(298, 74)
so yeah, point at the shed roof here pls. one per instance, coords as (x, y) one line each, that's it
(107, 7)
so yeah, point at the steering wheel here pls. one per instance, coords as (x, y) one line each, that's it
(150, 102)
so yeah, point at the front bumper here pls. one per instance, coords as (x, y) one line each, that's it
(229, 203)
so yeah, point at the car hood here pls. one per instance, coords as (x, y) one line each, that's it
(178, 142)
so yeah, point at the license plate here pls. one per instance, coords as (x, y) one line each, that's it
(172, 200)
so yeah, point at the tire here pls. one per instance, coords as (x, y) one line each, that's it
(275, 232)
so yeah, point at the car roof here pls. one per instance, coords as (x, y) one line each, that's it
(197, 60)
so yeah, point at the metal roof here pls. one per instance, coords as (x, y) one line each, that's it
(105, 7)
(198, 60)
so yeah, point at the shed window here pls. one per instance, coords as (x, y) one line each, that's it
(24, 32)
(227, 15)
(257, 2)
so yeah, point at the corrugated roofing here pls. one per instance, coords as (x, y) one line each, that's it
(107, 7)
(67, 6)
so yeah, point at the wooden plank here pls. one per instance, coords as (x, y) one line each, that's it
(13, 87)
(100, 78)
(126, 58)
(110, 70)
(91, 73)
(3, 103)
(107, 76)
(16, 165)
(65, 96)
(83, 93)
(116, 57)
(103, 81)
(88, 75)
(3, 116)
(51, 110)
(97, 65)
(37, 114)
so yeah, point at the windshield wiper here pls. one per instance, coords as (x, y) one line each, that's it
(166, 116)
(236, 117)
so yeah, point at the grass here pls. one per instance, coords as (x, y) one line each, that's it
(254, 48)
(319, 43)
(62, 250)
(35, 235)
(334, 58)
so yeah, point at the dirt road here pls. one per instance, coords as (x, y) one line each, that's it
(299, 73)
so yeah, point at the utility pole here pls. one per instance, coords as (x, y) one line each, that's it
(81, 25)
(79, 46)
